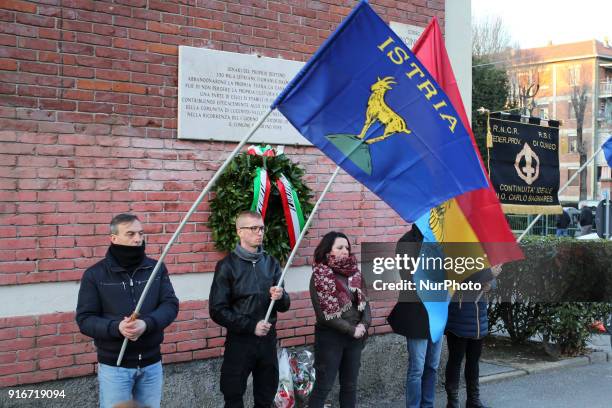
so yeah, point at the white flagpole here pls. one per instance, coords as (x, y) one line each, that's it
(566, 185)
(302, 234)
(607, 214)
(208, 187)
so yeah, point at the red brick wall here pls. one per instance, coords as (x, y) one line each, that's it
(49, 347)
(88, 111)
(55, 216)
(88, 97)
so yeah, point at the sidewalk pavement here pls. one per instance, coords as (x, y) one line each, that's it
(496, 367)
(502, 361)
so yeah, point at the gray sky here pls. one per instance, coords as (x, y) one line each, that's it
(535, 22)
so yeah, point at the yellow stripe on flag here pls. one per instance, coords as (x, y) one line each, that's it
(451, 228)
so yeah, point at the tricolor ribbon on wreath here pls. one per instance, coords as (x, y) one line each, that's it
(288, 195)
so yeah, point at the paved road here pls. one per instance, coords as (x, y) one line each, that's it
(576, 387)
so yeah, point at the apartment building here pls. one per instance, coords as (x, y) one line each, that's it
(548, 81)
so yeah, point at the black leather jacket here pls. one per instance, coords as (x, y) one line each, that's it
(240, 293)
(108, 293)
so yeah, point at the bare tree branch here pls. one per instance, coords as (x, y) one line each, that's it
(490, 37)
(524, 82)
(579, 99)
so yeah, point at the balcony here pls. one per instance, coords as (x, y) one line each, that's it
(605, 89)
(604, 119)
(605, 127)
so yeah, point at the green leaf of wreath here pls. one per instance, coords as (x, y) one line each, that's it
(234, 193)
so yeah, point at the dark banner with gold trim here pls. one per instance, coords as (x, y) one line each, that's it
(524, 166)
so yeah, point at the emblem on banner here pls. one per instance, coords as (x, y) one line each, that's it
(353, 146)
(527, 165)
(436, 219)
(378, 110)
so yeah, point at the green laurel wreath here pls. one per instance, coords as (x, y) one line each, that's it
(234, 193)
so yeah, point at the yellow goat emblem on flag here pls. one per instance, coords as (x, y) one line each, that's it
(378, 110)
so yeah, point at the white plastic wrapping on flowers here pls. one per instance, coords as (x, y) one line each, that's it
(284, 395)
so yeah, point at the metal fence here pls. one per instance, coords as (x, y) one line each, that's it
(546, 225)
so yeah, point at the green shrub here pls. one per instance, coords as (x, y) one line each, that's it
(568, 324)
(519, 319)
(557, 291)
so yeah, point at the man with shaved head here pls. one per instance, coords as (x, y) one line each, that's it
(241, 292)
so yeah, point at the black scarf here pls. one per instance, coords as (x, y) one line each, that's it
(247, 255)
(128, 257)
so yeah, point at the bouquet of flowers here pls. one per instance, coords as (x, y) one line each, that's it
(303, 375)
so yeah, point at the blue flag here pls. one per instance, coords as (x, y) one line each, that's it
(367, 102)
(607, 148)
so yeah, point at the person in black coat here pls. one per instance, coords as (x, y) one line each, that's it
(243, 286)
(586, 220)
(409, 318)
(337, 291)
(108, 295)
(563, 222)
(466, 327)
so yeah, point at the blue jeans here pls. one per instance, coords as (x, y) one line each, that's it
(562, 232)
(118, 384)
(423, 360)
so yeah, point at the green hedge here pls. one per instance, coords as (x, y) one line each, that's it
(557, 291)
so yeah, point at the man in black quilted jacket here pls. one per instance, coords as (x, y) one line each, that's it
(108, 295)
(243, 286)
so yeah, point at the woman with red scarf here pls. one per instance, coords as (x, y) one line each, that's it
(343, 317)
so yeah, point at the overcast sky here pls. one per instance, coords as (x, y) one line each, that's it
(533, 23)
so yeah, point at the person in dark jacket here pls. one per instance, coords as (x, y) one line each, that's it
(586, 220)
(242, 288)
(466, 327)
(409, 318)
(343, 318)
(563, 222)
(108, 295)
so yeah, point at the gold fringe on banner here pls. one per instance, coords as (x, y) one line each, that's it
(489, 142)
(489, 134)
(531, 209)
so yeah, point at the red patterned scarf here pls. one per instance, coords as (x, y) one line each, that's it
(333, 295)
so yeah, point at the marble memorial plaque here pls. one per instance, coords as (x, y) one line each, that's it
(407, 32)
(222, 94)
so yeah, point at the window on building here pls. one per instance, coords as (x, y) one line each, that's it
(574, 75)
(543, 111)
(524, 77)
(575, 182)
(572, 144)
(571, 111)
(599, 172)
